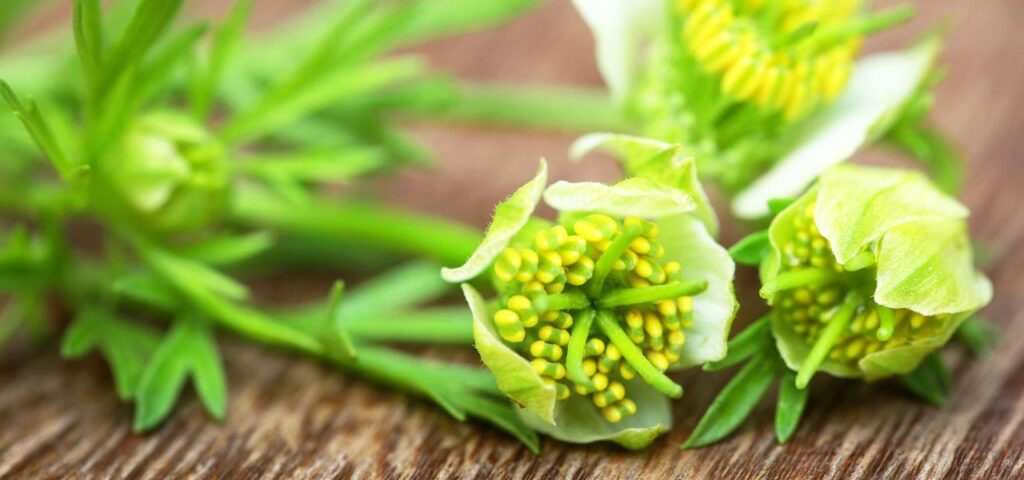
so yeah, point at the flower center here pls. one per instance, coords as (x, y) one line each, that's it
(814, 289)
(786, 56)
(598, 269)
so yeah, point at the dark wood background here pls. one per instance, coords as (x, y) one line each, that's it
(295, 418)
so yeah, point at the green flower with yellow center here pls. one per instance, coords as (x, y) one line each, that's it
(867, 275)
(592, 311)
(765, 94)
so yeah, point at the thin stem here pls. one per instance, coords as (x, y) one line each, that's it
(886, 323)
(577, 345)
(836, 325)
(607, 261)
(439, 325)
(634, 296)
(796, 279)
(334, 333)
(636, 359)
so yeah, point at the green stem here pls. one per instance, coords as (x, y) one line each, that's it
(796, 279)
(440, 325)
(365, 223)
(636, 359)
(577, 346)
(886, 323)
(607, 261)
(573, 300)
(836, 325)
(634, 296)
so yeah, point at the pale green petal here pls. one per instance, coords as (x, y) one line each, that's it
(857, 205)
(634, 196)
(663, 162)
(509, 217)
(879, 87)
(780, 233)
(689, 243)
(905, 359)
(513, 374)
(577, 420)
(622, 29)
(926, 266)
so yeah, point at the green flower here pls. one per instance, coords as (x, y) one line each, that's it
(592, 310)
(170, 172)
(867, 274)
(766, 95)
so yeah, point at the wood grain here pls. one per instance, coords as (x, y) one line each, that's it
(290, 417)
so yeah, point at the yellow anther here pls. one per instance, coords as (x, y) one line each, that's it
(551, 238)
(612, 394)
(548, 369)
(554, 335)
(509, 327)
(589, 367)
(667, 307)
(558, 319)
(530, 320)
(549, 351)
(658, 360)
(803, 296)
(635, 281)
(652, 325)
(530, 262)
(533, 286)
(854, 349)
(677, 338)
(635, 325)
(611, 414)
(519, 303)
(672, 268)
(594, 347)
(553, 288)
(644, 268)
(916, 320)
(596, 228)
(640, 245)
(616, 412)
(600, 381)
(506, 267)
(561, 391)
(580, 272)
(626, 372)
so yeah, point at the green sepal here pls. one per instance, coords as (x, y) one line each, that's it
(510, 216)
(662, 162)
(752, 249)
(978, 334)
(790, 406)
(930, 381)
(125, 346)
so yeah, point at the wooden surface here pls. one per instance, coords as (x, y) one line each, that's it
(292, 417)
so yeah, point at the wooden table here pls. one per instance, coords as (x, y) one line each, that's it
(292, 417)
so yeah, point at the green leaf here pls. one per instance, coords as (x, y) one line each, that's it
(734, 403)
(755, 339)
(147, 289)
(440, 18)
(148, 23)
(509, 217)
(188, 350)
(37, 126)
(501, 415)
(229, 249)
(432, 325)
(978, 334)
(751, 249)
(934, 151)
(125, 346)
(199, 275)
(570, 109)
(790, 407)
(344, 163)
(225, 44)
(930, 381)
(394, 290)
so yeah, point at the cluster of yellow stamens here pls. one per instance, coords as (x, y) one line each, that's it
(786, 56)
(810, 307)
(563, 261)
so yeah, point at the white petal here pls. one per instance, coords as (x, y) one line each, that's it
(621, 29)
(879, 86)
(634, 196)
